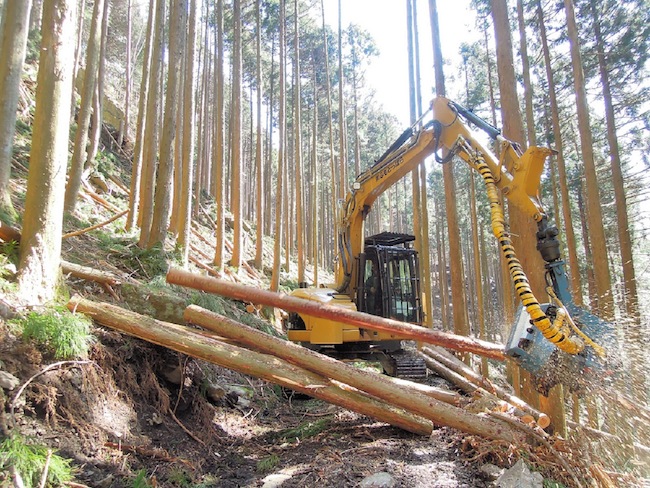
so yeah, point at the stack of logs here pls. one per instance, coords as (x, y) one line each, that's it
(408, 405)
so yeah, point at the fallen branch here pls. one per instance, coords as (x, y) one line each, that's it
(102, 201)
(88, 273)
(46, 469)
(401, 330)
(541, 436)
(96, 226)
(8, 233)
(185, 340)
(155, 453)
(185, 429)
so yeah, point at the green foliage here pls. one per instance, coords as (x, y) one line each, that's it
(208, 301)
(65, 334)
(29, 461)
(8, 215)
(267, 464)
(108, 163)
(33, 46)
(140, 480)
(305, 430)
(179, 477)
(8, 255)
(553, 484)
(148, 262)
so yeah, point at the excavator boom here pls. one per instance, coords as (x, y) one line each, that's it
(546, 340)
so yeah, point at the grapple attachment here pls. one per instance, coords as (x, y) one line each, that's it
(549, 365)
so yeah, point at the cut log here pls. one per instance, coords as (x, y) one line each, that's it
(8, 233)
(362, 320)
(88, 273)
(186, 341)
(441, 394)
(375, 384)
(96, 226)
(456, 365)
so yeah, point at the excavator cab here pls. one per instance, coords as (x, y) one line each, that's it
(389, 285)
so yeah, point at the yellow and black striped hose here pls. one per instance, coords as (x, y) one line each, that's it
(555, 331)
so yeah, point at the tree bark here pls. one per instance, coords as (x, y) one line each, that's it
(372, 383)
(373, 322)
(260, 201)
(165, 174)
(623, 225)
(219, 160)
(297, 142)
(459, 311)
(152, 127)
(236, 188)
(523, 228)
(277, 250)
(594, 212)
(574, 268)
(187, 165)
(136, 171)
(40, 246)
(85, 111)
(186, 341)
(14, 43)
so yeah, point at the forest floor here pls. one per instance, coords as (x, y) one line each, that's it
(137, 414)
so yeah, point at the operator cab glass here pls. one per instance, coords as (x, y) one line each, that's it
(389, 284)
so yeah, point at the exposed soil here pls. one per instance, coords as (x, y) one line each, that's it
(112, 418)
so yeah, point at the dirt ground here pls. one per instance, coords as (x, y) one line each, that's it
(112, 417)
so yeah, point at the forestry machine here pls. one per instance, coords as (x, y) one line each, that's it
(554, 341)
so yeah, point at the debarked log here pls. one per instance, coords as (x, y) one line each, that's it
(339, 314)
(439, 412)
(90, 274)
(184, 340)
(456, 365)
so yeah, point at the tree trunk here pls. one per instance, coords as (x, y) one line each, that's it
(235, 141)
(98, 100)
(277, 251)
(208, 348)
(297, 142)
(459, 311)
(623, 225)
(40, 246)
(576, 289)
(523, 229)
(152, 127)
(187, 165)
(14, 44)
(260, 194)
(401, 330)
(85, 111)
(528, 87)
(165, 174)
(136, 171)
(330, 118)
(124, 127)
(594, 212)
(342, 128)
(219, 160)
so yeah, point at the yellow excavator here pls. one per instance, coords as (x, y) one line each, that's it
(379, 274)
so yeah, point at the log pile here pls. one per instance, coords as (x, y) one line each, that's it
(415, 408)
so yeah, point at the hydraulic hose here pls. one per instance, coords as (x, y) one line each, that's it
(555, 331)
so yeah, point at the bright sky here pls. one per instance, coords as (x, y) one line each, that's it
(386, 22)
